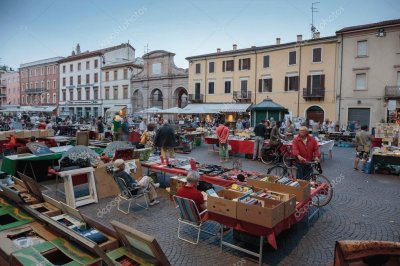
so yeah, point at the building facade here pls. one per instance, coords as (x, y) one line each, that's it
(11, 80)
(3, 90)
(39, 82)
(116, 86)
(81, 93)
(299, 75)
(160, 84)
(369, 73)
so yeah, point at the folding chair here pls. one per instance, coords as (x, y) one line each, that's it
(189, 215)
(127, 195)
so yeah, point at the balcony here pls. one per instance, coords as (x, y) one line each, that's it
(196, 98)
(242, 96)
(36, 90)
(3, 85)
(3, 95)
(392, 92)
(314, 94)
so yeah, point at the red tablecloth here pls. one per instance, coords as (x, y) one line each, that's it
(257, 230)
(238, 146)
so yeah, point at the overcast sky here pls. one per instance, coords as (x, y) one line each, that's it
(33, 30)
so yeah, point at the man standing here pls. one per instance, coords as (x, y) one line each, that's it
(116, 127)
(166, 140)
(222, 132)
(143, 126)
(260, 130)
(100, 128)
(290, 131)
(305, 149)
(363, 142)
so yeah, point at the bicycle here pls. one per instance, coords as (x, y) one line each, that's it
(280, 153)
(315, 177)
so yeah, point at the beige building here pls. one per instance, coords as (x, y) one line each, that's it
(369, 73)
(299, 76)
(11, 79)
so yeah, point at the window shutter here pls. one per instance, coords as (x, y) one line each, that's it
(260, 85)
(286, 83)
(308, 81)
(249, 63)
(297, 83)
(233, 65)
(322, 81)
(270, 85)
(240, 64)
(223, 66)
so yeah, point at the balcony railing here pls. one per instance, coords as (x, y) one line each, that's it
(36, 90)
(392, 91)
(196, 98)
(3, 85)
(314, 94)
(2, 95)
(242, 95)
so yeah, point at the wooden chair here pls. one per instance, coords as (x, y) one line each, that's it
(189, 215)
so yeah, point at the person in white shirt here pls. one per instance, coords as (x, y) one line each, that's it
(143, 126)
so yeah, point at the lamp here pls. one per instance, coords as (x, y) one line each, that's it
(381, 33)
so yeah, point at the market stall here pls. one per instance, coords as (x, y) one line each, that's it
(267, 110)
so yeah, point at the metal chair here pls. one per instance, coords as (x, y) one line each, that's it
(189, 215)
(128, 195)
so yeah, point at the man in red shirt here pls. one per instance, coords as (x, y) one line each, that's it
(222, 132)
(305, 148)
(190, 191)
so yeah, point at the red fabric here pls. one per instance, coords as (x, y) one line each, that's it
(42, 126)
(134, 137)
(192, 193)
(208, 140)
(222, 133)
(308, 151)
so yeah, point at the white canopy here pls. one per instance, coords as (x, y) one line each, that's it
(173, 110)
(116, 109)
(211, 108)
(152, 110)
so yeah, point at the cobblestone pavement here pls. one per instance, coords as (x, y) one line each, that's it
(364, 207)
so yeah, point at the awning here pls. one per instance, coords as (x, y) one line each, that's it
(35, 109)
(173, 110)
(116, 109)
(152, 110)
(211, 108)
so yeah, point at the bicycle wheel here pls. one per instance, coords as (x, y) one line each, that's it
(268, 156)
(288, 160)
(277, 170)
(325, 194)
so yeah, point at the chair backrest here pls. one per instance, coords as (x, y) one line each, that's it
(82, 138)
(187, 210)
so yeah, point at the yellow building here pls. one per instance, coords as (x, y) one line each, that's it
(299, 76)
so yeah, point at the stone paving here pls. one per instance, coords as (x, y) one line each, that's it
(364, 207)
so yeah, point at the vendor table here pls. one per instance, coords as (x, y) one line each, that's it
(384, 159)
(60, 140)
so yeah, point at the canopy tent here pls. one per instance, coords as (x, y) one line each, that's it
(267, 109)
(212, 108)
(35, 109)
(173, 110)
(116, 109)
(152, 110)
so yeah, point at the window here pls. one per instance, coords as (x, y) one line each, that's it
(48, 98)
(79, 80)
(71, 80)
(87, 92)
(244, 64)
(54, 84)
(362, 48)
(36, 84)
(87, 79)
(292, 83)
(71, 94)
(115, 92)
(42, 84)
(42, 71)
(96, 63)
(227, 65)
(197, 90)
(266, 61)
(31, 86)
(79, 66)
(107, 91)
(71, 67)
(211, 67)
(63, 69)
(96, 77)
(115, 74)
(22, 99)
(227, 86)
(107, 76)
(54, 69)
(47, 70)
(125, 92)
(198, 67)
(87, 65)
(292, 58)
(79, 90)
(95, 93)
(54, 97)
(265, 85)
(64, 82)
(361, 81)
(31, 72)
(156, 69)
(211, 87)
(125, 73)
(48, 85)
(36, 72)
(316, 82)
(64, 95)
(317, 55)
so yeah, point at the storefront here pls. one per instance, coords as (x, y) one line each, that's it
(84, 109)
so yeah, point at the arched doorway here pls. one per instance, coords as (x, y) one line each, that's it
(156, 99)
(181, 97)
(137, 100)
(315, 113)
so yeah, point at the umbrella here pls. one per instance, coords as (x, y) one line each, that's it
(80, 152)
(116, 145)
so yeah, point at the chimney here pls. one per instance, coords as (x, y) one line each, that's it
(218, 50)
(73, 53)
(316, 35)
(78, 49)
(234, 46)
(299, 38)
(278, 40)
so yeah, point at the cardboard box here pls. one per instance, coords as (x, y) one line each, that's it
(289, 200)
(302, 193)
(225, 204)
(19, 133)
(27, 133)
(268, 215)
(35, 133)
(8, 133)
(46, 209)
(43, 133)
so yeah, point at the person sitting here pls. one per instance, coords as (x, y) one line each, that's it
(190, 191)
(133, 185)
